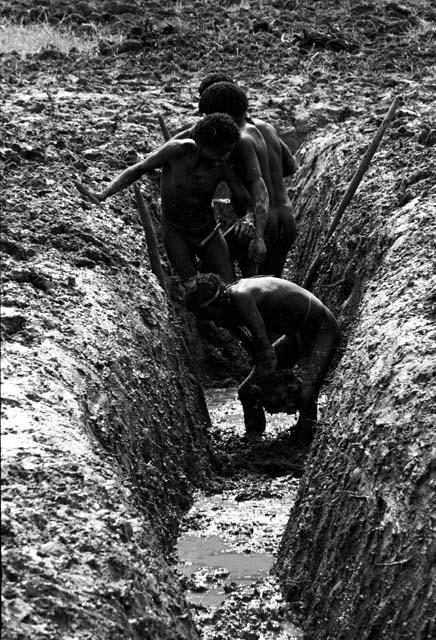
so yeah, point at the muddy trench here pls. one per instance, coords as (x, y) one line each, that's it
(190, 516)
(222, 541)
(228, 542)
(133, 506)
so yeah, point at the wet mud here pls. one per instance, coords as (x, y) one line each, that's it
(230, 536)
(90, 498)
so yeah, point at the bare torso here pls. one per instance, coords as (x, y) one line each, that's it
(278, 195)
(240, 157)
(188, 184)
(283, 305)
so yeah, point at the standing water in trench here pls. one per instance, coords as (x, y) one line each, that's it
(230, 536)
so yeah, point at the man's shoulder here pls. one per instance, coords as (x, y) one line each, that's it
(248, 141)
(181, 146)
(263, 125)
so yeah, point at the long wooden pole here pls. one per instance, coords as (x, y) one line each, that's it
(150, 236)
(355, 181)
(163, 127)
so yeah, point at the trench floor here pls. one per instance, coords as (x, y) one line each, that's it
(229, 538)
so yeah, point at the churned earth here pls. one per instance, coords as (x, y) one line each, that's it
(230, 536)
(70, 113)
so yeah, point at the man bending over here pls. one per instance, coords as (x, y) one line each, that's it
(266, 305)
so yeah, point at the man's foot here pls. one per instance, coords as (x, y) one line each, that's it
(254, 418)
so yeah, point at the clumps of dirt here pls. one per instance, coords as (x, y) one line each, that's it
(310, 40)
(355, 496)
(257, 612)
(230, 534)
(77, 556)
(27, 274)
(15, 249)
(280, 392)
(79, 116)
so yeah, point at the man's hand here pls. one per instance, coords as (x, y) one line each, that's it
(84, 191)
(244, 230)
(257, 250)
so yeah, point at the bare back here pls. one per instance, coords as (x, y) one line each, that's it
(284, 306)
(251, 139)
(278, 195)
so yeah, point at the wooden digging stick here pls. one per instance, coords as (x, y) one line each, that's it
(150, 236)
(84, 191)
(163, 127)
(355, 181)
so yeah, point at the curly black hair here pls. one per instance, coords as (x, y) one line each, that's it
(201, 288)
(224, 97)
(212, 78)
(216, 130)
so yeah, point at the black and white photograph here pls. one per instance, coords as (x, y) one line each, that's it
(218, 319)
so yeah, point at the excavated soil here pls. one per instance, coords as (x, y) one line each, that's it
(91, 505)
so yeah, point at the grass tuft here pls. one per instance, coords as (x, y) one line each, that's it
(31, 38)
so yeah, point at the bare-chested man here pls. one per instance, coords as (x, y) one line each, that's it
(249, 159)
(272, 153)
(192, 167)
(268, 131)
(267, 305)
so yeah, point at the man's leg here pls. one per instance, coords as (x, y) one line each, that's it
(321, 351)
(254, 414)
(180, 254)
(280, 235)
(215, 257)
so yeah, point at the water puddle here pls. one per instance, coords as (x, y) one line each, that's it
(230, 536)
(211, 559)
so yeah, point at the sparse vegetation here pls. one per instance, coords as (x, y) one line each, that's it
(34, 37)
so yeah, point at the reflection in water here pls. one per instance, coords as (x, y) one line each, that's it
(212, 553)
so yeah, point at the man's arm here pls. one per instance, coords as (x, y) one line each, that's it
(165, 154)
(240, 196)
(248, 315)
(250, 169)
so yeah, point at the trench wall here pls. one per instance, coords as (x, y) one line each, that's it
(104, 429)
(356, 557)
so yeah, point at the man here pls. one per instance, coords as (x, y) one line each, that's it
(192, 167)
(249, 160)
(280, 229)
(266, 305)
(289, 164)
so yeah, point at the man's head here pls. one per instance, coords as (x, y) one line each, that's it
(216, 136)
(203, 295)
(224, 97)
(212, 78)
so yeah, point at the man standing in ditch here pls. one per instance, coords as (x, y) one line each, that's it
(268, 131)
(192, 167)
(261, 139)
(267, 305)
